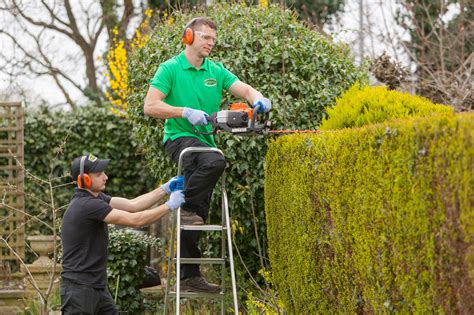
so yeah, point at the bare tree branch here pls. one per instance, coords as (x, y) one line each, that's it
(81, 24)
(16, 9)
(27, 214)
(53, 15)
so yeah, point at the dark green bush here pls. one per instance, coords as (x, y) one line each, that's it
(299, 69)
(377, 219)
(126, 265)
(360, 106)
(54, 139)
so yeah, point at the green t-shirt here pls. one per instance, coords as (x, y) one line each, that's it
(185, 86)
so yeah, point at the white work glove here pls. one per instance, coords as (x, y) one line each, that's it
(264, 105)
(176, 200)
(195, 116)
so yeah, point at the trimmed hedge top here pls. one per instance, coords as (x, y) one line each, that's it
(360, 106)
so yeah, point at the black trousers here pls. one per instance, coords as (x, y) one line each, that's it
(85, 300)
(201, 172)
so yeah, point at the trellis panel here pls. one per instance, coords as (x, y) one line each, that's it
(12, 180)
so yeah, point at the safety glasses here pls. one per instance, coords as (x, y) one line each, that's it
(206, 36)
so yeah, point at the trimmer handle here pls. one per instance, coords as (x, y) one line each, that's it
(261, 128)
(210, 120)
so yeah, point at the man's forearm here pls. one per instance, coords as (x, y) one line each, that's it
(243, 90)
(148, 217)
(159, 109)
(147, 200)
(253, 95)
(139, 203)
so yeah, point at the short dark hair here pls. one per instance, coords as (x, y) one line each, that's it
(200, 21)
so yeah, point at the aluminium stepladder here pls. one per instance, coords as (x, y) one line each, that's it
(224, 228)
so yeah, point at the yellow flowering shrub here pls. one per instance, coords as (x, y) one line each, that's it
(141, 33)
(263, 4)
(117, 74)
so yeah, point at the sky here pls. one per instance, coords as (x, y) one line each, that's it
(378, 22)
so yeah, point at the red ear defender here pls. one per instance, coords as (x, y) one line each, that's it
(86, 179)
(83, 180)
(188, 36)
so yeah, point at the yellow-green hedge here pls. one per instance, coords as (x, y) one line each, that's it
(365, 105)
(373, 220)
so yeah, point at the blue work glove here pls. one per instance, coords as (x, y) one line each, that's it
(195, 116)
(175, 183)
(176, 200)
(265, 105)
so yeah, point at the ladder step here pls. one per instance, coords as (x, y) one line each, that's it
(172, 294)
(201, 260)
(202, 227)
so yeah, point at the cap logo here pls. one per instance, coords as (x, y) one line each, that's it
(92, 158)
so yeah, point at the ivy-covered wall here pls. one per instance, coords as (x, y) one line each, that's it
(300, 70)
(375, 219)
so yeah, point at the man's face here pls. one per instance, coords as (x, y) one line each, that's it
(204, 40)
(98, 181)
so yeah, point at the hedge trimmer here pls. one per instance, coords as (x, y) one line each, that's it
(240, 119)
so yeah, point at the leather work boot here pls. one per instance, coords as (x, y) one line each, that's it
(190, 218)
(198, 284)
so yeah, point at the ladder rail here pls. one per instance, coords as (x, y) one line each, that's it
(231, 255)
(170, 257)
(223, 237)
(176, 228)
(178, 260)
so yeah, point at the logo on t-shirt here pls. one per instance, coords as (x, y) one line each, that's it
(210, 82)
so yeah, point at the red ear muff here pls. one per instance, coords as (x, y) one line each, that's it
(83, 180)
(188, 36)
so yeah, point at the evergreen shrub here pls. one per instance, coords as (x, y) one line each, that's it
(54, 138)
(126, 267)
(377, 219)
(364, 105)
(301, 71)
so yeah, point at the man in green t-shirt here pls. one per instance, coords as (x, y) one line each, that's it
(185, 90)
